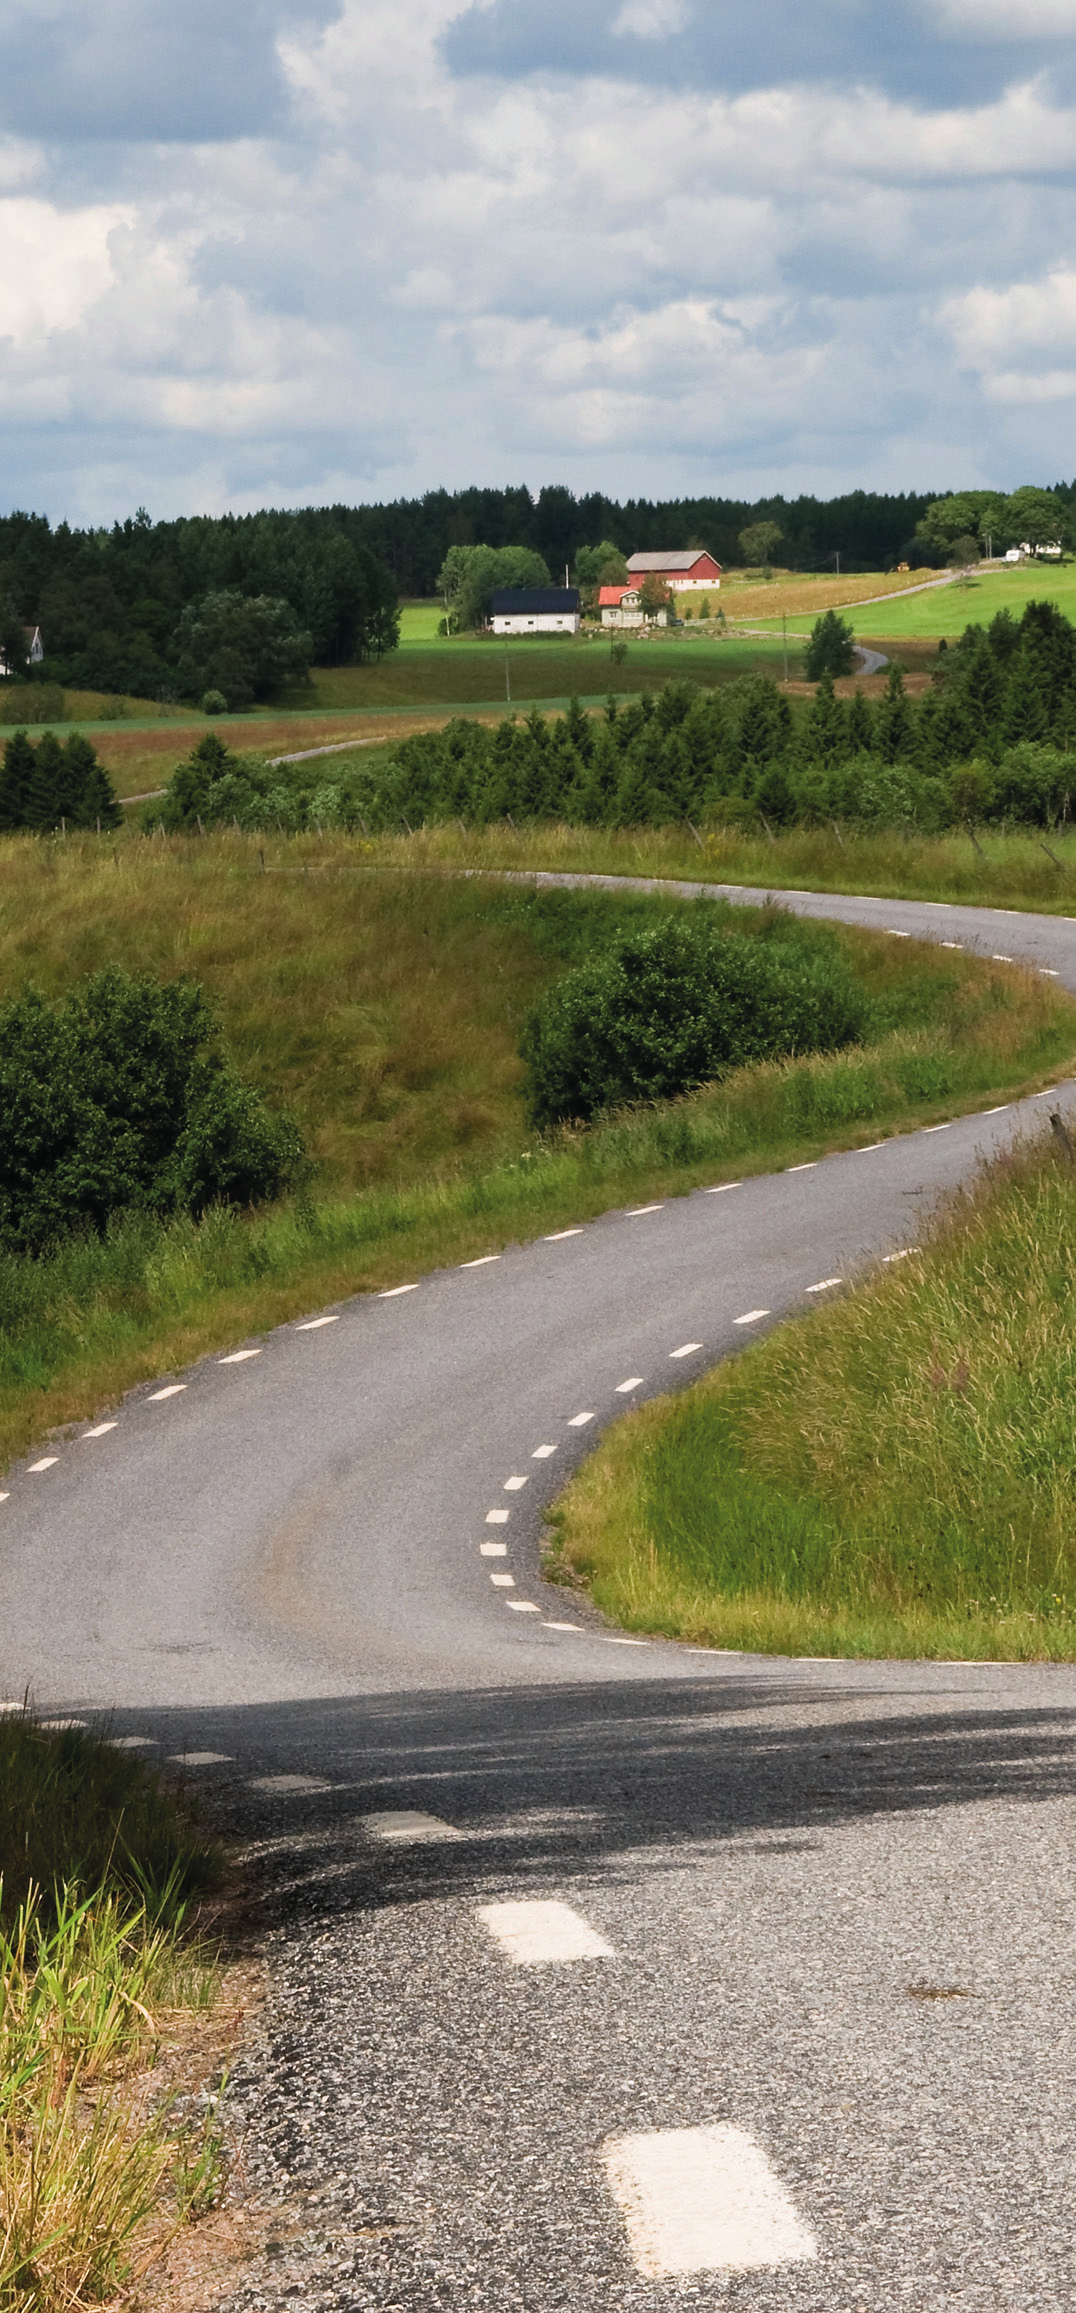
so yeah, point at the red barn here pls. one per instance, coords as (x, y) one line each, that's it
(686, 572)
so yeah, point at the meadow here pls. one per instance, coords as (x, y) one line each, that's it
(381, 1000)
(947, 610)
(891, 1476)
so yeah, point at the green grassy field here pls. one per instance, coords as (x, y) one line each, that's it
(892, 1475)
(947, 610)
(382, 1001)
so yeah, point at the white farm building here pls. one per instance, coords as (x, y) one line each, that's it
(535, 610)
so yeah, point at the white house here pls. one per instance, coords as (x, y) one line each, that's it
(524, 610)
(620, 606)
(35, 651)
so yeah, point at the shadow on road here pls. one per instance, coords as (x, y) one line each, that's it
(548, 1783)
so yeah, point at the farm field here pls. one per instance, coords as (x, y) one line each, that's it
(384, 1009)
(947, 610)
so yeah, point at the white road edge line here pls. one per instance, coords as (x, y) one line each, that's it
(522, 1606)
(825, 1286)
(579, 1421)
(482, 1262)
(174, 1389)
(803, 1168)
(46, 1463)
(239, 1356)
(687, 1349)
(635, 1381)
(636, 1212)
(542, 1453)
(311, 1324)
(514, 1485)
(751, 1317)
(543, 1932)
(393, 1292)
(937, 1127)
(559, 1235)
(722, 1188)
(101, 1430)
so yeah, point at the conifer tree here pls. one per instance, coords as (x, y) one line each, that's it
(1024, 715)
(860, 725)
(89, 786)
(15, 780)
(825, 731)
(47, 798)
(895, 731)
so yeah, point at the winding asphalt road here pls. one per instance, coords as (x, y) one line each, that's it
(606, 1974)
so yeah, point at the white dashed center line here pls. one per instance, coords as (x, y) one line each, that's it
(559, 1235)
(497, 1517)
(196, 1758)
(522, 1606)
(751, 1317)
(101, 1430)
(703, 2200)
(239, 1357)
(394, 1291)
(542, 1932)
(312, 1323)
(45, 1463)
(493, 1549)
(174, 1389)
(503, 1581)
(407, 1827)
(826, 1285)
(542, 1453)
(637, 1211)
(579, 1421)
(687, 1349)
(635, 1381)
(514, 1485)
(482, 1262)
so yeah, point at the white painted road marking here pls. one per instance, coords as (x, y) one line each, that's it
(239, 1357)
(804, 1168)
(482, 1262)
(493, 1549)
(636, 1212)
(935, 1128)
(5, 1497)
(721, 1188)
(504, 1581)
(901, 1256)
(868, 1148)
(826, 1285)
(635, 1381)
(559, 1235)
(522, 1606)
(407, 1827)
(199, 1759)
(1048, 974)
(1001, 959)
(577, 1627)
(751, 1317)
(497, 1517)
(542, 1453)
(513, 1485)
(687, 1349)
(285, 1783)
(579, 1421)
(997, 1111)
(952, 943)
(394, 1290)
(101, 1430)
(174, 1389)
(45, 1463)
(541, 1932)
(703, 2200)
(312, 1323)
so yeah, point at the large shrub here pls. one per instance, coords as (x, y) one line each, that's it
(662, 1011)
(120, 1099)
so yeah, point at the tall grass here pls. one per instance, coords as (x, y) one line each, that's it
(893, 1475)
(97, 1866)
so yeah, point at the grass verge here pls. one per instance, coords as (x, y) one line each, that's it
(891, 1476)
(104, 1995)
(385, 1007)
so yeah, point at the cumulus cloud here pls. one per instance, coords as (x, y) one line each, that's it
(643, 247)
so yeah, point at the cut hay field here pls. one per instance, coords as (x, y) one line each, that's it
(381, 999)
(947, 610)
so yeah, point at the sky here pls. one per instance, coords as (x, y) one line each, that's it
(287, 252)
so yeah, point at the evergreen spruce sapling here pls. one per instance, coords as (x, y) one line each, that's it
(15, 780)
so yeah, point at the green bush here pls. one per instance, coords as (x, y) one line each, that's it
(831, 649)
(214, 703)
(118, 1099)
(662, 1011)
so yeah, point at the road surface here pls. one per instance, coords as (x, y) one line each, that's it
(606, 1974)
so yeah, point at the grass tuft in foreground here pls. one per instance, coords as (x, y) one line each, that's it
(98, 1984)
(892, 1475)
